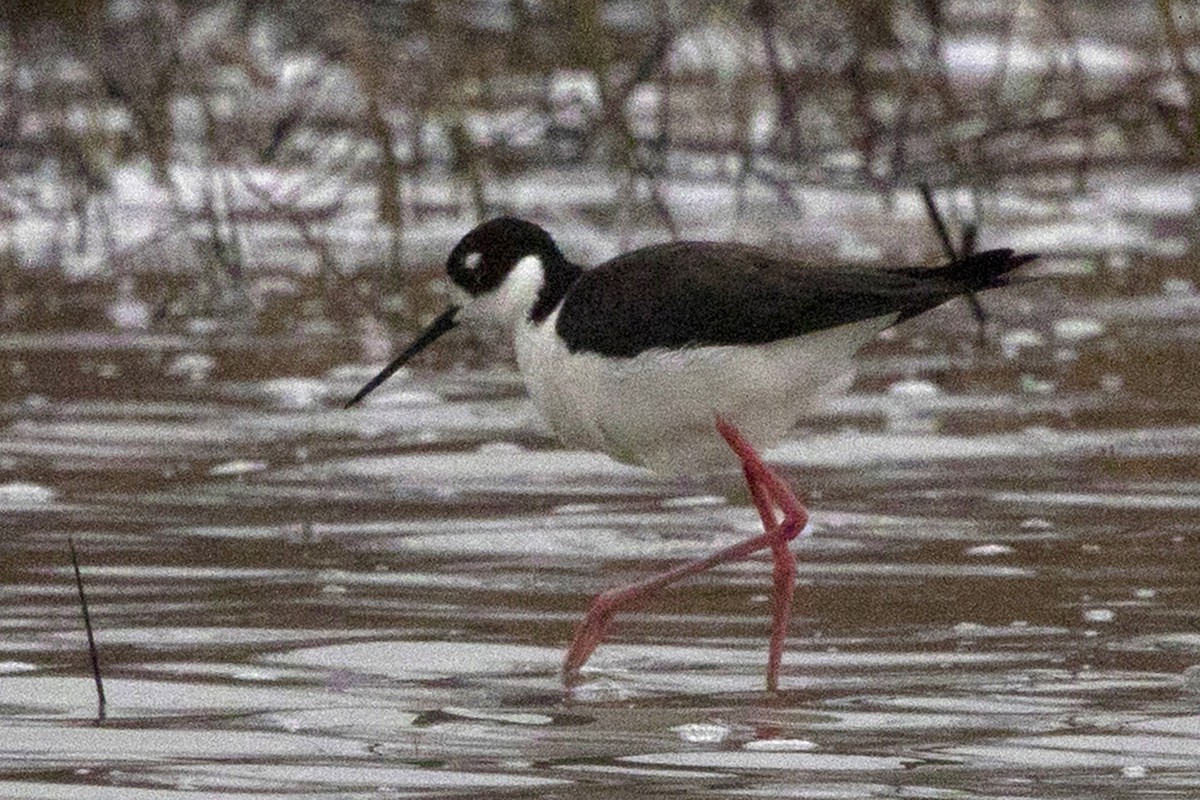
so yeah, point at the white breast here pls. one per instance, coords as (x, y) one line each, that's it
(658, 409)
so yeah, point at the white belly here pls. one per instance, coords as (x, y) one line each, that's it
(658, 409)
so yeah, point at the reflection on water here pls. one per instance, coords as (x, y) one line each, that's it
(999, 599)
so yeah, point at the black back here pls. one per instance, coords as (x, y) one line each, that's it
(706, 293)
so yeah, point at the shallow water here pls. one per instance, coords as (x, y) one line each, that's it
(998, 599)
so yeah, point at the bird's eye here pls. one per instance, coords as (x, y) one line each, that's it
(471, 261)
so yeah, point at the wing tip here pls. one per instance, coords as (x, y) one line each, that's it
(989, 268)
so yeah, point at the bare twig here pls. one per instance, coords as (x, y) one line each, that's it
(366, 57)
(965, 251)
(334, 279)
(939, 224)
(1189, 139)
(784, 85)
(101, 702)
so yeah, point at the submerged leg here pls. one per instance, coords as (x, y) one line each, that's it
(769, 493)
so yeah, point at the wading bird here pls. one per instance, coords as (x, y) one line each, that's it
(684, 358)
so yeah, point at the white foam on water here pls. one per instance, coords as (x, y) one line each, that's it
(514, 467)
(75, 696)
(982, 707)
(888, 720)
(15, 667)
(237, 467)
(1078, 329)
(989, 550)
(165, 636)
(860, 449)
(751, 760)
(779, 746)
(375, 779)
(364, 715)
(1073, 751)
(81, 790)
(1159, 502)
(1186, 725)
(196, 367)
(1178, 642)
(702, 732)
(416, 659)
(678, 657)
(294, 393)
(22, 494)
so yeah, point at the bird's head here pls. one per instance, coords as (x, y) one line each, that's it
(503, 272)
(499, 270)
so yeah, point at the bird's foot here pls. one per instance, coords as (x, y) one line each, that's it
(592, 629)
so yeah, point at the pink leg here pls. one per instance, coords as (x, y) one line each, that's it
(768, 492)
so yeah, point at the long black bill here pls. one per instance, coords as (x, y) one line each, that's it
(436, 328)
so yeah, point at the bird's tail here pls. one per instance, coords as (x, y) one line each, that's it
(988, 270)
(975, 273)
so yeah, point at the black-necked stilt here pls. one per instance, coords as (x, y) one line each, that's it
(647, 356)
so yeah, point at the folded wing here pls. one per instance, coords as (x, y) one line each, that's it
(706, 293)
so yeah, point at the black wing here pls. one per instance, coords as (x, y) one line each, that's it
(706, 293)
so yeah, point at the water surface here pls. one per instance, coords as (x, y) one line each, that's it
(998, 599)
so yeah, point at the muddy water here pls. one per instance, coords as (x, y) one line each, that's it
(998, 600)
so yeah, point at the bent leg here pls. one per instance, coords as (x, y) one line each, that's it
(769, 493)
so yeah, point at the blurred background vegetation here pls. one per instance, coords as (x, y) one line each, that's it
(293, 167)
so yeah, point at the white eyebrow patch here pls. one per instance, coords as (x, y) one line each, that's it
(471, 260)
